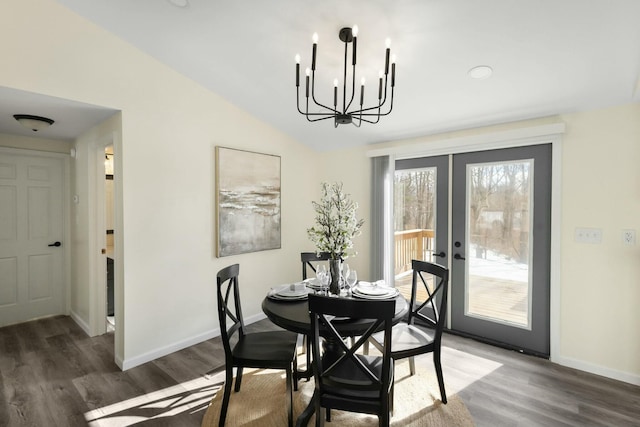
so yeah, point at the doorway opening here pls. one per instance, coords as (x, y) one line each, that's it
(109, 236)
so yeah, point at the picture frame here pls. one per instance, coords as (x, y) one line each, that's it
(248, 200)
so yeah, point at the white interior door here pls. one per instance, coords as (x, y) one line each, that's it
(31, 222)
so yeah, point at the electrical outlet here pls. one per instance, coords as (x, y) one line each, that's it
(629, 237)
(588, 235)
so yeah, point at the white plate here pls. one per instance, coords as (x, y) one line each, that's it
(285, 292)
(372, 290)
(388, 294)
(312, 283)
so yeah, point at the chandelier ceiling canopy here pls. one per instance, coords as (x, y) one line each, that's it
(347, 112)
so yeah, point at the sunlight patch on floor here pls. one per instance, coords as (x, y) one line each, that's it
(192, 396)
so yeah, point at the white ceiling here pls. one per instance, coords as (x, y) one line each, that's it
(548, 56)
(71, 119)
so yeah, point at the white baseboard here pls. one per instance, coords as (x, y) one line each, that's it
(598, 370)
(163, 351)
(81, 322)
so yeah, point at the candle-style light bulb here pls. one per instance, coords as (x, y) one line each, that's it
(393, 58)
(362, 81)
(354, 31)
(387, 42)
(315, 38)
(297, 58)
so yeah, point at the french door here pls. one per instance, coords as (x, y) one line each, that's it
(499, 242)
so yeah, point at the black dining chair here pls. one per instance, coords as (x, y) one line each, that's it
(344, 379)
(422, 332)
(308, 258)
(265, 350)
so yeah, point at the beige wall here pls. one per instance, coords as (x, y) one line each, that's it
(169, 129)
(167, 132)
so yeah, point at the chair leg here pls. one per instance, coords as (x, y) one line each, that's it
(412, 365)
(226, 396)
(438, 365)
(308, 355)
(328, 417)
(384, 419)
(238, 379)
(290, 397)
(393, 386)
(319, 415)
(295, 371)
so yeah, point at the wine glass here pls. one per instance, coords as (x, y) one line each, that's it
(321, 272)
(345, 272)
(352, 279)
(325, 279)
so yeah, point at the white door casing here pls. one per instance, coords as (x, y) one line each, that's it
(31, 219)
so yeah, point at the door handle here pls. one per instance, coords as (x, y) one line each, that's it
(458, 256)
(56, 244)
(440, 254)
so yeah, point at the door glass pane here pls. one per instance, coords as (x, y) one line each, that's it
(414, 222)
(498, 285)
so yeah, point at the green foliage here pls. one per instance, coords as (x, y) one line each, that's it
(336, 222)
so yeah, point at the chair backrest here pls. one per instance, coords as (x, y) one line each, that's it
(308, 258)
(433, 309)
(229, 308)
(326, 313)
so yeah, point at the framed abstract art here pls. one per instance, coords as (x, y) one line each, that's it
(247, 201)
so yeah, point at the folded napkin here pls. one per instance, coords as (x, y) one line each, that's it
(376, 283)
(297, 287)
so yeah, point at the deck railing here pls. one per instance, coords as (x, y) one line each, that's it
(412, 244)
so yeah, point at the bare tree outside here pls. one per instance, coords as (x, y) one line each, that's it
(414, 199)
(499, 210)
(414, 216)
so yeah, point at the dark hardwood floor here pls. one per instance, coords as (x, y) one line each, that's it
(52, 374)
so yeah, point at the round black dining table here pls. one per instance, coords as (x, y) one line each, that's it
(294, 316)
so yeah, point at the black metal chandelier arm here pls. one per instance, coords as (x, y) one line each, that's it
(320, 119)
(307, 113)
(378, 107)
(377, 116)
(353, 86)
(313, 94)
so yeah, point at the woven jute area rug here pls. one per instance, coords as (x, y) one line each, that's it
(261, 402)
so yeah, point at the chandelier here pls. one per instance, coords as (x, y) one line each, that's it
(346, 113)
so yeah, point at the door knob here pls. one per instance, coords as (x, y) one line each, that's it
(458, 256)
(440, 254)
(56, 244)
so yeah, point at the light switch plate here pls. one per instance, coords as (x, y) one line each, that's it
(588, 235)
(629, 237)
